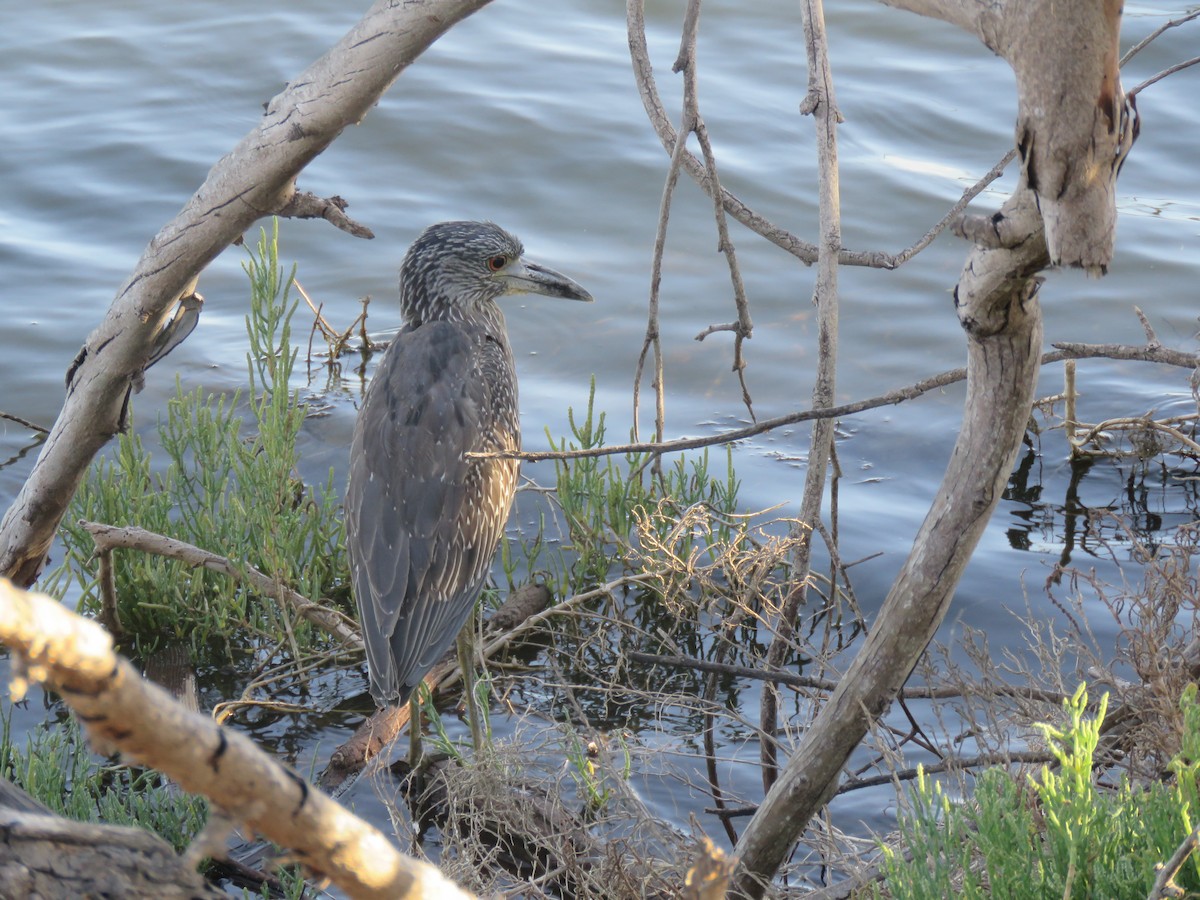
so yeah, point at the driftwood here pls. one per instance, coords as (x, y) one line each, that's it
(44, 855)
(1075, 124)
(53, 858)
(124, 713)
(256, 179)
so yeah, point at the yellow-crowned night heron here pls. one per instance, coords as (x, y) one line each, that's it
(422, 519)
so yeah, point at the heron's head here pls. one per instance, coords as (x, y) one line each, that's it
(454, 269)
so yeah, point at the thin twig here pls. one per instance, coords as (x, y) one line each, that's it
(653, 339)
(791, 679)
(332, 621)
(330, 333)
(948, 764)
(1170, 70)
(821, 103)
(686, 63)
(25, 422)
(1155, 34)
(1066, 350)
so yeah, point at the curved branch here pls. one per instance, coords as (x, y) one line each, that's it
(131, 537)
(998, 308)
(257, 178)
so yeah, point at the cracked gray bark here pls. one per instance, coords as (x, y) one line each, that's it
(256, 179)
(52, 858)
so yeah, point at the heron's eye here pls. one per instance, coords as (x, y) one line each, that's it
(496, 263)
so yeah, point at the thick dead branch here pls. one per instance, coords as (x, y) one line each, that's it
(1075, 125)
(45, 855)
(256, 179)
(998, 308)
(53, 858)
(123, 712)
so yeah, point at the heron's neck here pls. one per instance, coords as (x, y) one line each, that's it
(484, 313)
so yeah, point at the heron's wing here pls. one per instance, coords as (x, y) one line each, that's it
(422, 520)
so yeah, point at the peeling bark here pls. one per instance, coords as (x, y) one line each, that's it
(1075, 124)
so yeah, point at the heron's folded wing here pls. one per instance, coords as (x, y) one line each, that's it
(419, 554)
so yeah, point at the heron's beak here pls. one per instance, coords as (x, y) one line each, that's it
(524, 277)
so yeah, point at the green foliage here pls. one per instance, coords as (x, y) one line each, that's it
(590, 780)
(234, 495)
(56, 768)
(1057, 835)
(439, 738)
(601, 498)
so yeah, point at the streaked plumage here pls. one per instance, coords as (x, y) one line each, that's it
(423, 520)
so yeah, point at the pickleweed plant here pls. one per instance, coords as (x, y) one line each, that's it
(56, 768)
(226, 482)
(602, 498)
(1054, 833)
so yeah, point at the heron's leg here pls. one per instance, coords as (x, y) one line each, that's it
(414, 729)
(467, 666)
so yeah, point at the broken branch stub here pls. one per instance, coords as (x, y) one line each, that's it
(1075, 125)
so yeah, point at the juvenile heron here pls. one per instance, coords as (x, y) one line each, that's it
(422, 519)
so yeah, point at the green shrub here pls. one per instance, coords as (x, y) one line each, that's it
(234, 494)
(1056, 834)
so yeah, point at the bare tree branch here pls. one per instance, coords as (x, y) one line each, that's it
(256, 179)
(40, 429)
(131, 537)
(1075, 125)
(123, 712)
(998, 309)
(821, 103)
(1066, 350)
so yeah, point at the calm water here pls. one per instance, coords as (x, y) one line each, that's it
(113, 113)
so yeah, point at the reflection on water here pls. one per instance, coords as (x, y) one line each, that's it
(1148, 499)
